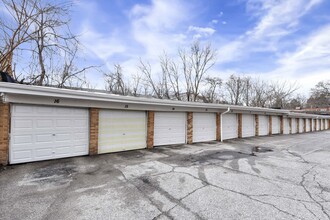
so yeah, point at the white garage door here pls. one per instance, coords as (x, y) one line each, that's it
(317, 122)
(229, 126)
(46, 132)
(275, 124)
(263, 125)
(301, 125)
(326, 124)
(308, 128)
(121, 130)
(204, 127)
(294, 126)
(286, 126)
(248, 125)
(169, 128)
(313, 125)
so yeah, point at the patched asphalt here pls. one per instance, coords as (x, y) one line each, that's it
(277, 177)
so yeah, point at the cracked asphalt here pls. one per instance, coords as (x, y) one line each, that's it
(277, 177)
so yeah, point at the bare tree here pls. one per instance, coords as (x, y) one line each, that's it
(281, 92)
(261, 93)
(41, 30)
(115, 81)
(196, 62)
(171, 70)
(235, 86)
(68, 75)
(15, 27)
(145, 69)
(320, 95)
(211, 93)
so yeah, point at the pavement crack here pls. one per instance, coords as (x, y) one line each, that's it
(310, 194)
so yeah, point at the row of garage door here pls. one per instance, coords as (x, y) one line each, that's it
(44, 132)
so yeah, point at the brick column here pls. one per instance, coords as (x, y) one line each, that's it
(290, 125)
(328, 124)
(256, 117)
(281, 124)
(240, 123)
(270, 124)
(218, 124)
(4, 133)
(320, 124)
(150, 129)
(304, 125)
(310, 124)
(297, 122)
(190, 128)
(93, 131)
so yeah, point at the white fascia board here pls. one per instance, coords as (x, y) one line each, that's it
(21, 93)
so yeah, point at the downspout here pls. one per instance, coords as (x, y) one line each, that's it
(228, 110)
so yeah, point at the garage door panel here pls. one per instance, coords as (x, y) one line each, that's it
(229, 126)
(204, 127)
(286, 126)
(121, 130)
(294, 126)
(275, 125)
(169, 128)
(39, 131)
(248, 125)
(263, 125)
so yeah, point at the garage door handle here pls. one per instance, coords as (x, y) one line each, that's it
(53, 134)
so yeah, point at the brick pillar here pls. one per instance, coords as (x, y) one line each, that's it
(310, 124)
(93, 131)
(218, 124)
(290, 125)
(256, 117)
(328, 124)
(150, 129)
(281, 124)
(270, 124)
(304, 125)
(190, 128)
(4, 133)
(240, 123)
(297, 122)
(320, 124)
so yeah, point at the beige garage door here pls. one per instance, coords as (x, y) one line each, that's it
(121, 130)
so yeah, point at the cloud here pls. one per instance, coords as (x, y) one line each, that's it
(201, 31)
(276, 20)
(310, 58)
(159, 26)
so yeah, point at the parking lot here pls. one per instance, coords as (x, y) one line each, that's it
(277, 177)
